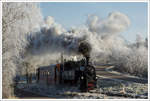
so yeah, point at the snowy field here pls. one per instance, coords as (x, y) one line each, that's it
(106, 89)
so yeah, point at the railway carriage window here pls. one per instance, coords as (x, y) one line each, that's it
(48, 73)
(45, 73)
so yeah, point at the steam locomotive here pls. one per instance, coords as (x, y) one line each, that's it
(80, 73)
(77, 73)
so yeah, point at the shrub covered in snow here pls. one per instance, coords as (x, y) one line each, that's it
(134, 60)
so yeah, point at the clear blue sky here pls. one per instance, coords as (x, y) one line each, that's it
(75, 14)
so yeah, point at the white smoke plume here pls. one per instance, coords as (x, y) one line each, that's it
(95, 31)
(115, 23)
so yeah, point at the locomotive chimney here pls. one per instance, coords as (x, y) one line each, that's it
(87, 60)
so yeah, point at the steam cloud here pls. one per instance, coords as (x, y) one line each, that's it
(116, 22)
(54, 36)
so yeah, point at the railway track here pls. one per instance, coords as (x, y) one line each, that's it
(101, 71)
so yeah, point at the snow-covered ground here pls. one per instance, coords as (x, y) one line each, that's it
(123, 88)
(106, 89)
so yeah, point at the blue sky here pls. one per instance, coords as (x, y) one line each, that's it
(75, 14)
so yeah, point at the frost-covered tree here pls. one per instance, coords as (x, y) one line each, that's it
(18, 20)
(133, 59)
